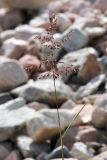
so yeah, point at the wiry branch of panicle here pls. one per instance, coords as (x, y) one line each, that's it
(50, 64)
(56, 72)
(48, 37)
(53, 24)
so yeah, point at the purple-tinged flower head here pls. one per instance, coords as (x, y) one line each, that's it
(48, 41)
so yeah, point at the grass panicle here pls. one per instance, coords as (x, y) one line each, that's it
(50, 63)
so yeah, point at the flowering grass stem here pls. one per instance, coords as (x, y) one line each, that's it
(59, 123)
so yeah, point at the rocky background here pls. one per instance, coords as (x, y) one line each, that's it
(28, 117)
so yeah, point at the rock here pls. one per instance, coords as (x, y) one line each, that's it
(46, 126)
(106, 86)
(92, 1)
(43, 91)
(5, 149)
(5, 97)
(103, 148)
(103, 62)
(2, 5)
(12, 74)
(103, 20)
(86, 112)
(55, 6)
(101, 156)
(91, 99)
(9, 19)
(41, 156)
(86, 71)
(87, 134)
(92, 22)
(95, 145)
(101, 4)
(101, 109)
(100, 45)
(81, 151)
(29, 148)
(63, 22)
(37, 106)
(87, 19)
(91, 87)
(84, 59)
(30, 61)
(48, 48)
(14, 114)
(69, 104)
(14, 155)
(80, 134)
(57, 153)
(6, 35)
(77, 7)
(74, 39)
(13, 48)
(26, 4)
(25, 32)
(34, 48)
(64, 159)
(39, 22)
(95, 31)
(28, 159)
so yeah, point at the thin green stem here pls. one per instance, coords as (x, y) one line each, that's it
(74, 118)
(59, 123)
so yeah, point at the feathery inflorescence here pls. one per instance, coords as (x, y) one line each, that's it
(50, 63)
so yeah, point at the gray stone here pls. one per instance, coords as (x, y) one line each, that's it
(14, 48)
(29, 159)
(45, 126)
(91, 87)
(43, 90)
(39, 22)
(77, 7)
(6, 35)
(30, 148)
(81, 151)
(37, 106)
(57, 153)
(13, 114)
(92, 26)
(83, 134)
(25, 32)
(64, 159)
(5, 149)
(103, 20)
(87, 19)
(5, 97)
(73, 39)
(69, 104)
(14, 155)
(101, 4)
(101, 156)
(63, 22)
(94, 32)
(12, 74)
(81, 58)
